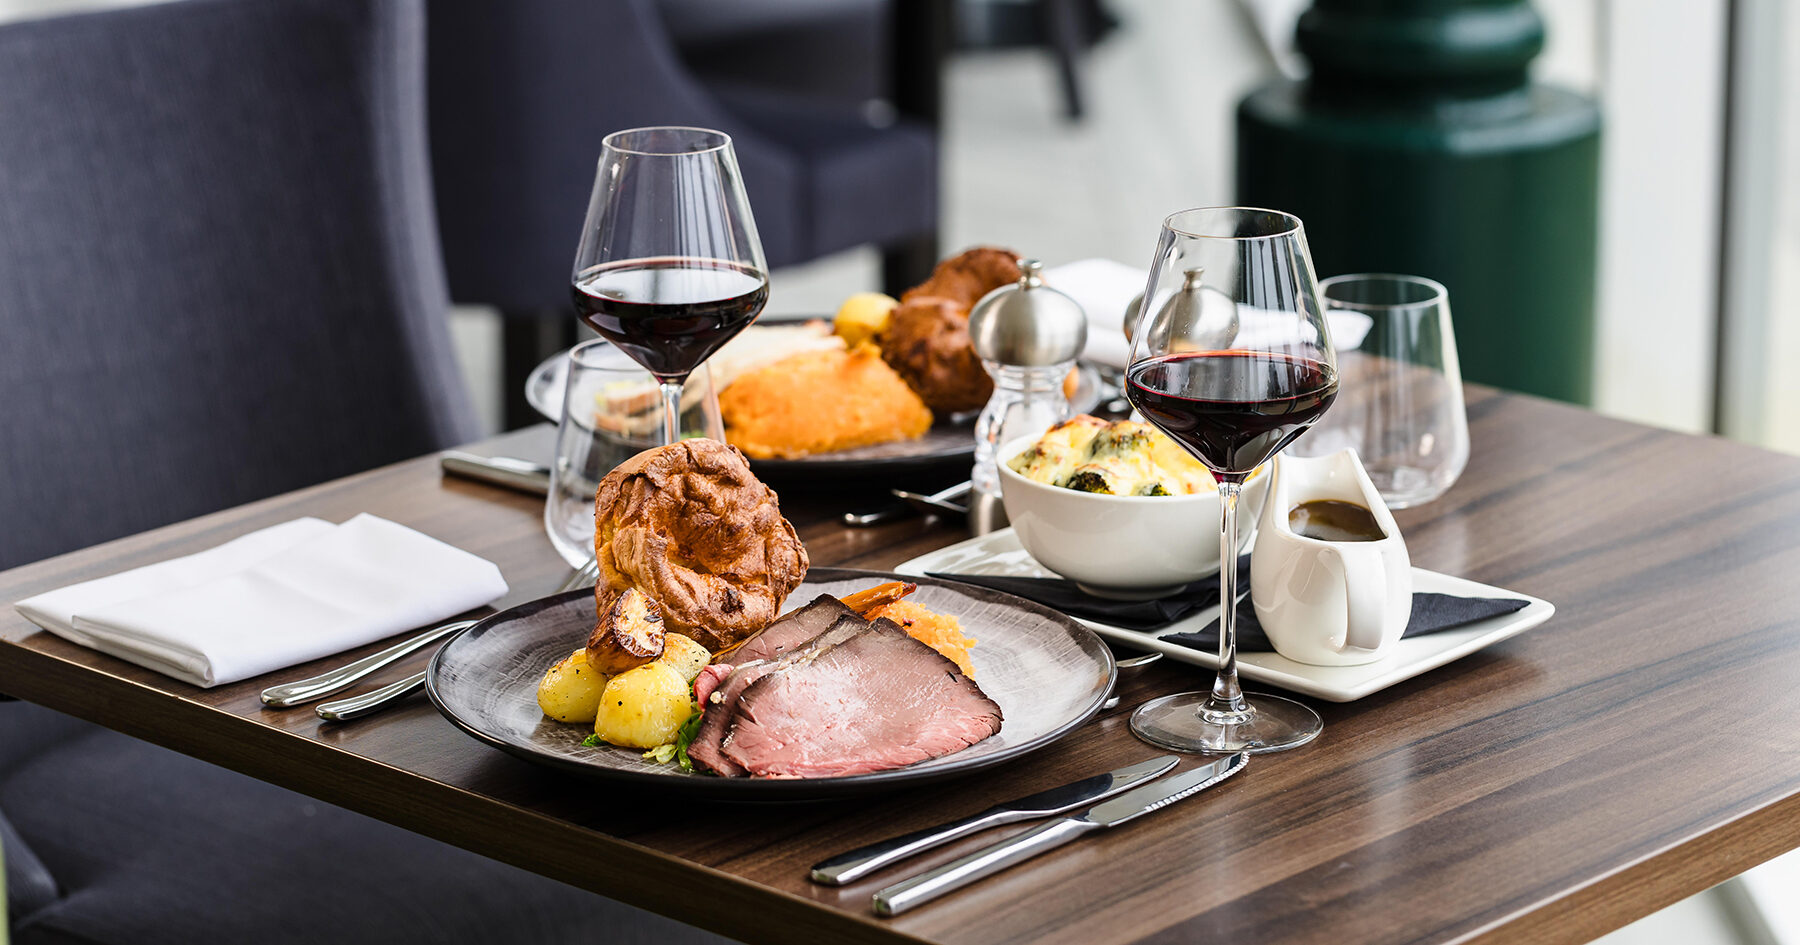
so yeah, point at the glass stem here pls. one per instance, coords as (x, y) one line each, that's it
(1226, 705)
(671, 395)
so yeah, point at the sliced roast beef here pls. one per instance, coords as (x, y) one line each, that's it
(716, 719)
(721, 702)
(791, 631)
(711, 675)
(869, 701)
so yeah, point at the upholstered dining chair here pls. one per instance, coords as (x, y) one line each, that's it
(219, 279)
(522, 94)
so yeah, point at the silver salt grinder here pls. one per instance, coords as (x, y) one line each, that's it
(1028, 336)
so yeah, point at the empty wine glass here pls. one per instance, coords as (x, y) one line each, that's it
(1402, 406)
(611, 412)
(1233, 362)
(670, 266)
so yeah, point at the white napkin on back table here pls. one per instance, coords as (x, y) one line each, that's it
(283, 595)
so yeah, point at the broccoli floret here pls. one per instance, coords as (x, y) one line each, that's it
(1088, 480)
(1120, 439)
(1154, 488)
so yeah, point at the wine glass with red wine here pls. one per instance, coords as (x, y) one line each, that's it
(1234, 364)
(669, 267)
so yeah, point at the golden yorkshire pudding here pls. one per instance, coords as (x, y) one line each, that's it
(969, 275)
(690, 527)
(926, 342)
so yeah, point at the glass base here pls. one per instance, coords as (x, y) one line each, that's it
(1271, 724)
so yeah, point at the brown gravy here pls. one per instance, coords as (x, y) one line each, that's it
(1333, 520)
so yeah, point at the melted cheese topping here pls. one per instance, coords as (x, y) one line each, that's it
(1123, 458)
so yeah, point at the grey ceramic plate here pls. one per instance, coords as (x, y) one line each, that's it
(951, 439)
(1048, 673)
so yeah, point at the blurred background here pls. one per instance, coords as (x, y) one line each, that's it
(1695, 295)
(1646, 265)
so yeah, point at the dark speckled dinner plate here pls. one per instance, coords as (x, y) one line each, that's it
(1048, 673)
(950, 440)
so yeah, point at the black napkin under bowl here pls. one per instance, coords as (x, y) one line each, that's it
(1430, 612)
(1144, 615)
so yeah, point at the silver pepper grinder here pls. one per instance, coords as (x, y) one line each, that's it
(1028, 336)
(1196, 311)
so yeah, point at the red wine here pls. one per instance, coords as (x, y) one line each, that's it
(670, 313)
(1232, 409)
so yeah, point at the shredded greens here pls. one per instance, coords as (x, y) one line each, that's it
(676, 750)
(592, 741)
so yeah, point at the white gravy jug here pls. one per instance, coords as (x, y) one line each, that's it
(1329, 603)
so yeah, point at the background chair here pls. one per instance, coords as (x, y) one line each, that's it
(523, 92)
(219, 280)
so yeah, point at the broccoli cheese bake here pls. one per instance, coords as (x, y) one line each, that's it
(1088, 454)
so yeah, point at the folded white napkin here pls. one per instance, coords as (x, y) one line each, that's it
(1104, 287)
(283, 595)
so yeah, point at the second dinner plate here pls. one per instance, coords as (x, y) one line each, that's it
(950, 439)
(1048, 674)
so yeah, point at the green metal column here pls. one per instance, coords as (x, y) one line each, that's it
(1419, 145)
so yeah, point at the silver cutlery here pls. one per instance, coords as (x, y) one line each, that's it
(944, 501)
(368, 703)
(324, 684)
(1134, 662)
(520, 474)
(941, 502)
(992, 859)
(854, 865)
(355, 707)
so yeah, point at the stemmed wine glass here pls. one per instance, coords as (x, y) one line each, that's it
(669, 267)
(1234, 365)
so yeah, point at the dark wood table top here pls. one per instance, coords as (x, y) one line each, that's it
(1641, 746)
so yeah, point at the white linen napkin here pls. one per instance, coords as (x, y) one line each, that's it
(1104, 287)
(283, 595)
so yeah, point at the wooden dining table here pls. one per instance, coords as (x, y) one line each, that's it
(1639, 747)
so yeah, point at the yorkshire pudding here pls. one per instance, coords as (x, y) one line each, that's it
(927, 343)
(967, 276)
(926, 340)
(695, 531)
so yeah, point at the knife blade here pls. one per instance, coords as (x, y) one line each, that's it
(520, 474)
(854, 865)
(995, 857)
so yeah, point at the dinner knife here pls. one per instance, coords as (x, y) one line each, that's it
(941, 502)
(850, 867)
(520, 474)
(992, 859)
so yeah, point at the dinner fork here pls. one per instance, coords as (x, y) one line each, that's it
(324, 684)
(355, 707)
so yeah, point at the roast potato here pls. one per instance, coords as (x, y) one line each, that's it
(643, 707)
(570, 690)
(685, 655)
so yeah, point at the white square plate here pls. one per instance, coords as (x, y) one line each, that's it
(999, 553)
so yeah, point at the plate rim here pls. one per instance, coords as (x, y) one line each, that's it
(766, 789)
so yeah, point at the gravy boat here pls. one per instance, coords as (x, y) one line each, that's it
(1328, 603)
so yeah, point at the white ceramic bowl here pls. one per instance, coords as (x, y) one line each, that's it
(1119, 546)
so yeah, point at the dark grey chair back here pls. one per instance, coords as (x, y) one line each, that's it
(522, 94)
(219, 271)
